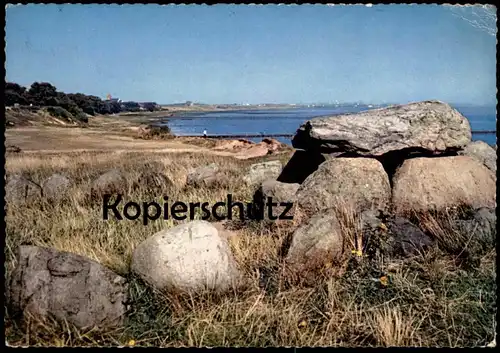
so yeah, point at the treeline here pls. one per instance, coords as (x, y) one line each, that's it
(66, 105)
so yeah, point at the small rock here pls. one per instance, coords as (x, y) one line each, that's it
(111, 182)
(189, 257)
(49, 283)
(261, 171)
(55, 187)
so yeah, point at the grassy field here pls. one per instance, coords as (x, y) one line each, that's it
(430, 300)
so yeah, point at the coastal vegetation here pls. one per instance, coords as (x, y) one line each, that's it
(76, 106)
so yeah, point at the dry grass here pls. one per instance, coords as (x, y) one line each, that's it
(429, 300)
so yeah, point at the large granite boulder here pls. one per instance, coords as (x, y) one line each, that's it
(424, 184)
(360, 183)
(315, 245)
(208, 175)
(483, 153)
(261, 171)
(189, 257)
(50, 284)
(110, 182)
(429, 126)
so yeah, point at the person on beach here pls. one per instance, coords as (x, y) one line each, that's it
(205, 133)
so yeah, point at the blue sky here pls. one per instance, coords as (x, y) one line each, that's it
(253, 54)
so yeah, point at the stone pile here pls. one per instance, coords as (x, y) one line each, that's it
(394, 161)
(414, 157)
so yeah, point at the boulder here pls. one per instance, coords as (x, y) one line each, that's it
(431, 126)
(189, 257)
(20, 189)
(262, 171)
(279, 192)
(406, 239)
(55, 187)
(204, 176)
(51, 284)
(360, 183)
(424, 184)
(111, 182)
(315, 244)
(483, 153)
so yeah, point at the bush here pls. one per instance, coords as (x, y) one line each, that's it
(81, 116)
(59, 112)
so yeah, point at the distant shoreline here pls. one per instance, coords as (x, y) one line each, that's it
(187, 112)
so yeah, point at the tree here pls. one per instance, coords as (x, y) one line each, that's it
(41, 93)
(12, 98)
(14, 87)
(131, 106)
(83, 102)
(150, 106)
(482, 17)
(15, 93)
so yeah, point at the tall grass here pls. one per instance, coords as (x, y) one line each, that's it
(428, 301)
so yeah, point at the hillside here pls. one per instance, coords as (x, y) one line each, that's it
(24, 116)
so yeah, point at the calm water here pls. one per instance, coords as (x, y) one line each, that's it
(288, 121)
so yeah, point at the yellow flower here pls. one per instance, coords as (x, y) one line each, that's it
(384, 281)
(357, 252)
(131, 343)
(302, 324)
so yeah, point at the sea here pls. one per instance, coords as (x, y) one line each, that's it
(287, 121)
